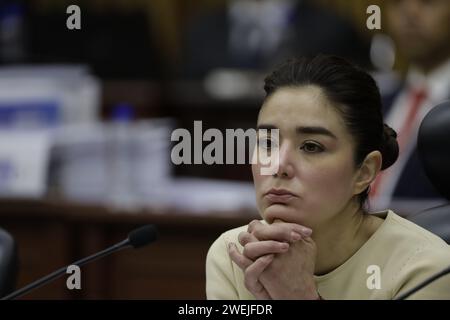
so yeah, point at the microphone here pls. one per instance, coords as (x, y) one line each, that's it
(426, 282)
(136, 239)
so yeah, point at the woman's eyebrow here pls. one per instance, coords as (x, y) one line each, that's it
(302, 130)
(315, 130)
(266, 127)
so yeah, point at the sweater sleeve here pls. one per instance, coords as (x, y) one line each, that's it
(422, 266)
(220, 280)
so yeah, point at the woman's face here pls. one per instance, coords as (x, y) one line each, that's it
(316, 172)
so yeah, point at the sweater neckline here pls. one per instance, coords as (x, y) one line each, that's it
(387, 215)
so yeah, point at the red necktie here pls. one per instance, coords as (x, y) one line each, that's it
(417, 97)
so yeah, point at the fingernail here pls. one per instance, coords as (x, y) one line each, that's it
(230, 245)
(295, 236)
(306, 232)
(284, 246)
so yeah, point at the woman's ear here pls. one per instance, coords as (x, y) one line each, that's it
(367, 172)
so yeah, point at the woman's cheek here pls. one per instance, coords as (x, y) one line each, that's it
(258, 182)
(256, 176)
(327, 187)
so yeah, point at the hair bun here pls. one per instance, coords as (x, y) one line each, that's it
(389, 147)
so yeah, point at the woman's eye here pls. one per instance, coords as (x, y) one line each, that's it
(310, 147)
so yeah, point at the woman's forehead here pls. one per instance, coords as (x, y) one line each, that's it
(292, 107)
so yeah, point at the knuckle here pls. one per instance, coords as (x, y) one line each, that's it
(285, 232)
(277, 233)
(267, 259)
(248, 251)
(274, 245)
(249, 238)
(232, 251)
(243, 237)
(252, 225)
(259, 233)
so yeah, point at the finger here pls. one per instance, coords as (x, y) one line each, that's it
(283, 232)
(245, 237)
(258, 290)
(252, 273)
(254, 250)
(294, 227)
(262, 293)
(277, 232)
(238, 258)
(310, 242)
(253, 224)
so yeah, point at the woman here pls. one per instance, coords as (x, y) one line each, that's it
(316, 239)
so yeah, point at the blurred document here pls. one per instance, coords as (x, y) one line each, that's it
(24, 160)
(71, 90)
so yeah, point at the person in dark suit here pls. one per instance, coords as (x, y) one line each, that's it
(421, 32)
(258, 34)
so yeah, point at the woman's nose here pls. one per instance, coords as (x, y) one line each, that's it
(285, 165)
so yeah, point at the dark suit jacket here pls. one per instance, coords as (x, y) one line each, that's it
(413, 182)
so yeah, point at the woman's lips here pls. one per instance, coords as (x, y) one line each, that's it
(279, 196)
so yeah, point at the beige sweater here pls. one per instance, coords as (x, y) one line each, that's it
(400, 252)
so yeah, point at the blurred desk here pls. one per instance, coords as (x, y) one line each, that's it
(51, 234)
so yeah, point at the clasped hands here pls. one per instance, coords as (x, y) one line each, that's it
(278, 260)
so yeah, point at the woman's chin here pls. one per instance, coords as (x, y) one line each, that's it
(282, 212)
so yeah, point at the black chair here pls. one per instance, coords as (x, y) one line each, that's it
(433, 145)
(8, 263)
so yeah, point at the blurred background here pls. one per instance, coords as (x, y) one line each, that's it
(86, 118)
